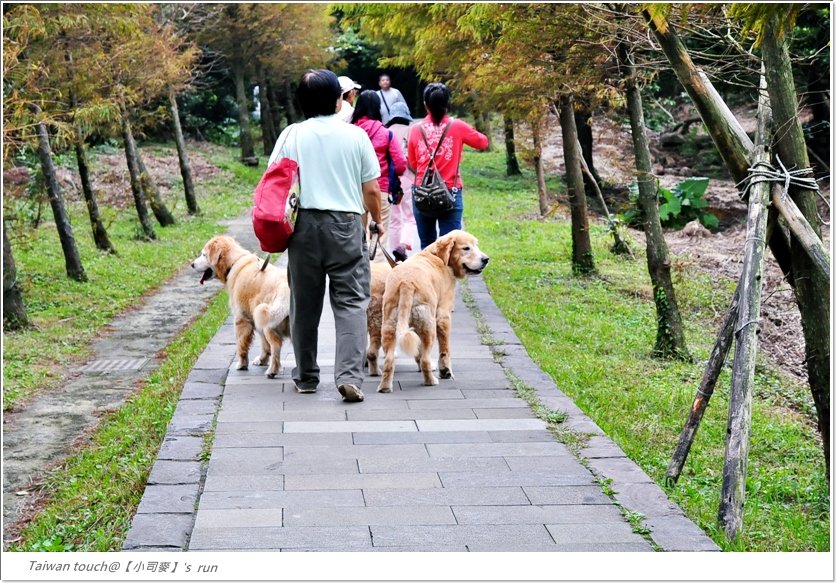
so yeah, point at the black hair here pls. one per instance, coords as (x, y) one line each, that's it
(318, 93)
(367, 105)
(382, 75)
(437, 100)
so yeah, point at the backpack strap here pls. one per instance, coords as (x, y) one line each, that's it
(440, 140)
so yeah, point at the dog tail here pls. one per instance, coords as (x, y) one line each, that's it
(407, 339)
(270, 315)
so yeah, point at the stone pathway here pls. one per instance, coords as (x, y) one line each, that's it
(463, 466)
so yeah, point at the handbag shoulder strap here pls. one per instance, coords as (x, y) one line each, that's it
(383, 99)
(440, 140)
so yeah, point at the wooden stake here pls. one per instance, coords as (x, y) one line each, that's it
(709, 380)
(802, 230)
(733, 492)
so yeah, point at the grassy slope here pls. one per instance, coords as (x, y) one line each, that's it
(594, 337)
(67, 314)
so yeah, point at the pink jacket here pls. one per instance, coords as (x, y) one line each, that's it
(379, 136)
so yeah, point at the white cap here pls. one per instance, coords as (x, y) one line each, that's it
(346, 84)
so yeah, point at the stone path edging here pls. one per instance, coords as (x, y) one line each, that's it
(670, 529)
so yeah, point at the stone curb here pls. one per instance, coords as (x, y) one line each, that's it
(670, 529)
(166, 513)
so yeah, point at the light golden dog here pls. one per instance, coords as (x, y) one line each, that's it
(417, 302)
(259, 300)
(374, 313)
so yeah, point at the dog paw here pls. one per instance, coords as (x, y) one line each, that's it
(242, 365)
(445, 373)
(259, 361)
(382, 389)
(431, 381)
(270, 375)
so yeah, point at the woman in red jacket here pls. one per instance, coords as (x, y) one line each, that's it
(459, 133)
(367, 116)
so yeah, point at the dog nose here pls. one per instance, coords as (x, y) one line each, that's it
(485, 260)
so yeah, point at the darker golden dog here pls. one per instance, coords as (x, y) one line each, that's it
(418, 299)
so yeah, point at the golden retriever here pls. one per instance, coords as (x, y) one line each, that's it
(374, 313)
(259, 300)
(418, 299)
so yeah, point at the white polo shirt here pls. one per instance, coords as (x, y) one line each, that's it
(335, 159)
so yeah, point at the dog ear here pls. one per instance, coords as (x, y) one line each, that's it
(443, 248)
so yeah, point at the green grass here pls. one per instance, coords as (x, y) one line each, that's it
(67, 314)
(595, 335)
(92, 497)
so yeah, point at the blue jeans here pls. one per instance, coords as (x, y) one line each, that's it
(431, 228)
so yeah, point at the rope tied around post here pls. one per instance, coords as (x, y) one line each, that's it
(763, 171)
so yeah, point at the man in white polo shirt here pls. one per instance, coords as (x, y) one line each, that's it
(338, 171)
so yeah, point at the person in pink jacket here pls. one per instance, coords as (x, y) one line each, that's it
(386, 146)
(424, 138)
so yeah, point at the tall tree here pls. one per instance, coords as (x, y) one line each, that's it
(512, 166)
(183, 156)
(14, 310)
(72, 260)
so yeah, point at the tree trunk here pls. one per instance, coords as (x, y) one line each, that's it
(268, 128)
(583, 121)
(538, 167)
(247, 150)
(736, 459)
(289, 104)
(582, 258)
(481, 121)
(512, 166)
(100, 237)
(136, 182)
(811, 286)
(183, 156)
(72, 259)
(152, 193)
(275, 107)
(670, 337)
(14, 311)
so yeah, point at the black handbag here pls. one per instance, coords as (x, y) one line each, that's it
(431, 196)
(395, 188)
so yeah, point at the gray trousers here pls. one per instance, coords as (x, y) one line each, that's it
(333, 244)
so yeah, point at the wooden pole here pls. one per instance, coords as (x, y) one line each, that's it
(620, 246)
(800, 227)
(733, 492)
(709, 380)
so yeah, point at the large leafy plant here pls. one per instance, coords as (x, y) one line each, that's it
(677, 206)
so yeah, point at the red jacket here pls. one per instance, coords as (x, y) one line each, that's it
(449, 154)
(379, 136)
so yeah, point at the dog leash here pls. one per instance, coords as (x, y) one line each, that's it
(266, 261)
(389, 258)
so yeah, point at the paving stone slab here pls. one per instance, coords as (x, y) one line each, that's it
(397, 465)
(520, 436)
(158, 530)
(543, 463)
(415, 480)
(648, 499)
(382, 515)
(594, 533)
(246, 415)
(180, 447)
(238, 517)
(495, 449)
(285, 537)
(348, 426)
(212, 376)
(496, 537)
(446, 496)
(678, 533)
(422, 437)
(255, 461)
(201, 391)
(369, 404)
(480, 425)
(245, 427)
(317, 452)
(181, 424)
(174, 472)
(179, 498)
(472, 403)
(359, 414)
(568, 494)
(265, 499)
(242, 483)
(528, 514)
(488, 393)
(464, 479)
(516, 413)
(621, 470)
(230, 431)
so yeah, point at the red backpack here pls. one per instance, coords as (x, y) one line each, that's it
(275, 202)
